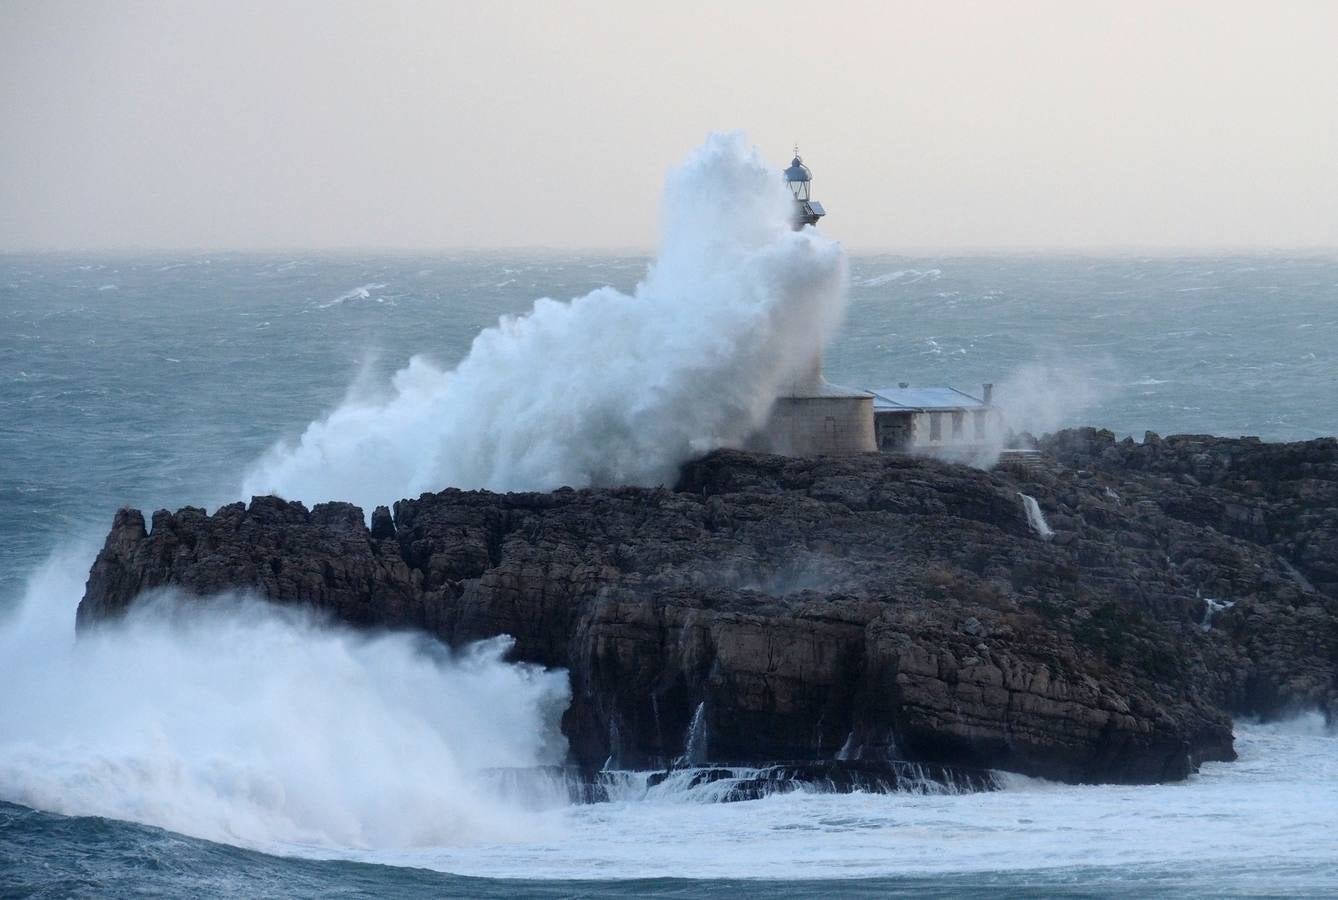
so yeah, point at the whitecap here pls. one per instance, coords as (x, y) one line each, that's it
(362, 292)
(910, 275)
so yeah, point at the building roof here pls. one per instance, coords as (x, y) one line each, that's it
(923, 399)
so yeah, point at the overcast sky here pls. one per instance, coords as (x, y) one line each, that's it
(443, 125)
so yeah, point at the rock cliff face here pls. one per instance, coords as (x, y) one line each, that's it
(1283, 496)
(863, 608)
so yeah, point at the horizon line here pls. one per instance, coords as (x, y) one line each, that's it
(912, 250)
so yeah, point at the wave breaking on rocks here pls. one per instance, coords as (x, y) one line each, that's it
(867, 609)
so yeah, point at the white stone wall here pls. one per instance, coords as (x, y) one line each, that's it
(946, 439)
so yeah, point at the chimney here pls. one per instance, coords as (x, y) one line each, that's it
(988, 392)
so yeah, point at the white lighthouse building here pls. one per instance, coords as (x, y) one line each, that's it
(812, 417)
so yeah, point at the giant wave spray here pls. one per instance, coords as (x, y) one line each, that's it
(608, 388)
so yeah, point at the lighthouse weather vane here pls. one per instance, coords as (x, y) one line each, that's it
(798, 178)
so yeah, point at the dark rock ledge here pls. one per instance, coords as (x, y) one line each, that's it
(869, 608)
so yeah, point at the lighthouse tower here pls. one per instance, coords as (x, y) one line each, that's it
(799, 179)
(812, 417)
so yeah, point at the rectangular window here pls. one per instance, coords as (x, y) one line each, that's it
(829, 426)
(936, 426)
(957, 419)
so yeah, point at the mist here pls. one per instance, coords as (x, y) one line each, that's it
(967, 126)
(1036, 399)
(235, 720)
(607, 388)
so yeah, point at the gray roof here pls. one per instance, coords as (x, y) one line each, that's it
(923, 399)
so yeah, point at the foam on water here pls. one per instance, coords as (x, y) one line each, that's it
(358, 293)
(1279, 801)
(240, 722)
(276, 732)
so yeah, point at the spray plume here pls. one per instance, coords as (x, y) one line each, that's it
(608, 388)
(238, 721)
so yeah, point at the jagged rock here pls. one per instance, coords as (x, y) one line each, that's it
(383, 524)
(871, 607)
(1284, 496)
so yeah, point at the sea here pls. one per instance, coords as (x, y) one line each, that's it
(243, 752)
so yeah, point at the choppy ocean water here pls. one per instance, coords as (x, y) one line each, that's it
(155, 381)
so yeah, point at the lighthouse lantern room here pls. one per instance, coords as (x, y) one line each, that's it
(799, 179)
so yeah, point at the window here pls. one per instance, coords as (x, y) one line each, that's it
(957, 419)
(936, 426)
(829, 425)
(980, 424)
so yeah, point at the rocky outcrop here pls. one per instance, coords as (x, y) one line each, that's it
(864, 608)
(1283, 496)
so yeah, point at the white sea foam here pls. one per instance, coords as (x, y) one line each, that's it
(235, 728)
(608, 388)
(257, 728)
(1278, 802)
(240, 722)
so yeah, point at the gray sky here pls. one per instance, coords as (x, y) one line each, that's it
(438, 125)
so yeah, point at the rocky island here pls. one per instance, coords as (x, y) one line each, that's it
(1099, 617)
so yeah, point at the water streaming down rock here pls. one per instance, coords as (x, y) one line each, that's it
(551, 787)
(655, 713)
(1269, 813)
(666, 618)
(1211, 607)
(849, 750)
(615, 745)
(1036, 518)
(1297, 575)
(695, 747)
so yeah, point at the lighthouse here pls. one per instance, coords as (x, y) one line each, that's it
(799, 179)
(811, 416)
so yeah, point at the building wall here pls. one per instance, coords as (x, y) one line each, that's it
(916, 432)
(819, 426)
(894, 431)
(956, 428)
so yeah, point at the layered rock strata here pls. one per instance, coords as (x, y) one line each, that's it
(864, 608)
